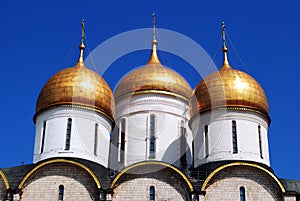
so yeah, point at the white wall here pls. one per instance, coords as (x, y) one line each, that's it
(82, 135)
(220, 144)
(169, 112)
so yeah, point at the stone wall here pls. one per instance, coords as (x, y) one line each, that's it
(168, 184)
(44, 184)
(259, 186)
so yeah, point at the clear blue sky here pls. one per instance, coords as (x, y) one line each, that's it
(39, 38)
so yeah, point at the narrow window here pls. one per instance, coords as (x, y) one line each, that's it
(242, 194)
(96, 139)
(234, 138)
(61, 193)
(43, 137)
(182, 145)
(193, 153)
(260, 143)
(68, 134)
(206, 140)
(152, 193)
(152, 137)
(123, 134)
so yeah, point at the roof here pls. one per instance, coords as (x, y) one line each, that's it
(100, 171)
(15, 174)
(291, 185)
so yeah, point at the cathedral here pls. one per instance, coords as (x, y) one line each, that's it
(153, 138)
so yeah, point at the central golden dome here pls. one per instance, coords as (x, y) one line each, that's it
(229, 88)
(77, 86)
(153, 78)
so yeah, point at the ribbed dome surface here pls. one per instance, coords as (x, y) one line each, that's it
(230, 88)
(77, 86)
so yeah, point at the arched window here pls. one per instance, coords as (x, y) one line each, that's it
(123, 135)
(43, 137)
(183, 144)
(61, 193)
(68, 134)
(96, 139)
(206, 140)
(152, 193)
(152, 137)
(242, 194)
(259, 141)
(234, 138)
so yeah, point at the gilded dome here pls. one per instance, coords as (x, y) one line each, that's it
(153, 78)
(230, 88)
(77, 86)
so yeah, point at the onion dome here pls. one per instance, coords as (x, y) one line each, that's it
(229, 88)
(153, 78)
(77, 86)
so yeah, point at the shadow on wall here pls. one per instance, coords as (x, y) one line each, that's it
(175, 156)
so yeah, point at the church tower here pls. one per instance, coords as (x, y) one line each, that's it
(152, 115)
(74, 115)
(229, 117)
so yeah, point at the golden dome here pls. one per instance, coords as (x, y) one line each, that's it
(229, 88)
(77, 86)
(153, 78)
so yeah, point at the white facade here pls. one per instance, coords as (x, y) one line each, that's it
(251, 139)
(171, 117)
(89, 135)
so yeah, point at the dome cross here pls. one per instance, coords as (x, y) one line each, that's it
(224, 49)
(82, 46)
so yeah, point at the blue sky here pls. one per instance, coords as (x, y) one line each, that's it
(39, 38)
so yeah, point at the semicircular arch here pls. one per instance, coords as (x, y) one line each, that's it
(45, 163)
(2, 174)
(213, 173)
(144, 163)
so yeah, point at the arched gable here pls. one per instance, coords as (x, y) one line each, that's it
(145, 163)
(87, 169)
(219, 169)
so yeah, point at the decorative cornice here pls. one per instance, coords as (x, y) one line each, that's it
(236, 108)
(77, 106)
(153, 91)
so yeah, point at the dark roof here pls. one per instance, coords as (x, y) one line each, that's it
(15, 174)
(291, 185)
(101, 172)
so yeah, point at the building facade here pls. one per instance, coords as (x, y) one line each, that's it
(153, 138)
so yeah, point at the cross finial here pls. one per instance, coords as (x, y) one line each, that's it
(223, 35)
(82, 31)
(154, 58)
(82, 46)
(224, 50)
(154, 26)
